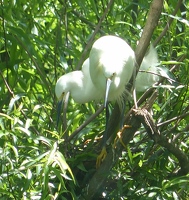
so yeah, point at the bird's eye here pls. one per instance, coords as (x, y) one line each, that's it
(62, 95)
(113, 75)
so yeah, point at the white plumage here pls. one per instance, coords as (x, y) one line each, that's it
(147, 79)
(79, 84)
(111, 63)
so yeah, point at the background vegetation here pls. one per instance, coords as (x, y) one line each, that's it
(42, 40)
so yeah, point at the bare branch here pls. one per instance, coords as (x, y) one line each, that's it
(173, 119)
(151, 23)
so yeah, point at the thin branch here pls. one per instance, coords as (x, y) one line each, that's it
(7, 85)
(86, 21)
(180, 59)
(43, 77)
(89, 43)
(91, 118)
(173, 119)
(163, 33)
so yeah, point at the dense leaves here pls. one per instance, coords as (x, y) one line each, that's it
(40, 41)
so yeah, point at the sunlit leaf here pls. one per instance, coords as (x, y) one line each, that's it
(13, 100)
(63, 165)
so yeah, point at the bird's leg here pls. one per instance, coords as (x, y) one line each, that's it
(101, 157)
(103, 152)
(122, 128)
(119, 133)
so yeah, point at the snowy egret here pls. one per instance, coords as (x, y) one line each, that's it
(111, 64)
(149, 74)
(78, 84)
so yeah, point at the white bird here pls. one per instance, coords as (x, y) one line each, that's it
(79, 84)
(111, 63)
(149, 75)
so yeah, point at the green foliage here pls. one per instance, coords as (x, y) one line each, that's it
(40, 41)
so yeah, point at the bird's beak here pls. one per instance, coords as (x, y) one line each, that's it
(59, 106)
(108, 83)
(63, 98)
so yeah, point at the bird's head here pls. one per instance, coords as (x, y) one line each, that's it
(61, 91)
(61, 88)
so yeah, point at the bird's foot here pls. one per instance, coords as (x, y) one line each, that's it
(101, 157)
(119, 136)
(89, 140)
